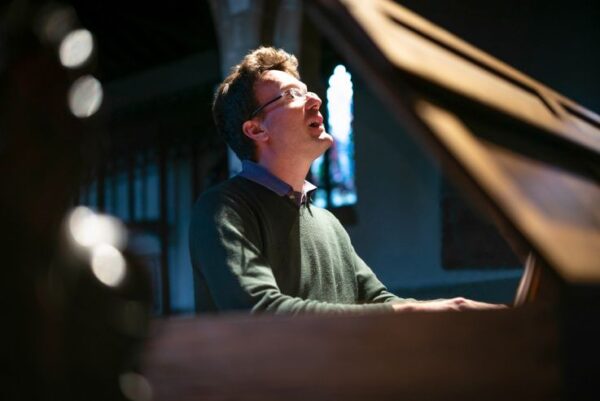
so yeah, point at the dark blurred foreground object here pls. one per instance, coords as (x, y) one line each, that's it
(526, 155)
(72, 330)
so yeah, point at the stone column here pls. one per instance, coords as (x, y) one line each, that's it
(288, 26)
(240, 28)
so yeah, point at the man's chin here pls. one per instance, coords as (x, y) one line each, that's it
(325, 137)
(324, 142)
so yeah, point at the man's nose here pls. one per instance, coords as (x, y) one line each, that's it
(313, 100)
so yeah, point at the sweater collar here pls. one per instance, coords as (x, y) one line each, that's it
(260, 175)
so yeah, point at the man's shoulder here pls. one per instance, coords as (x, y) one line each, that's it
(322, 213)
(237, 192)
(227, 192)
(219, 204)
(324, 216)
(231, 187)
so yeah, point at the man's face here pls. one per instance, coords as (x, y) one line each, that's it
(294, 125)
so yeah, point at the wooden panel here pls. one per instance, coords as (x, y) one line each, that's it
(497, 355)
(538, 284)
(554, 209)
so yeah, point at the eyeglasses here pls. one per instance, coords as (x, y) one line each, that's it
(290, 94)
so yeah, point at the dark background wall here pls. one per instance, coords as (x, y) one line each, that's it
(553, 41)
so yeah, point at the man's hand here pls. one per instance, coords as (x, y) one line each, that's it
(441, 305)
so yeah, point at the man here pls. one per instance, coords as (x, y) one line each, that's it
(256, 241)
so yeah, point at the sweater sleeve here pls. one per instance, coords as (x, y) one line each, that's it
(225, 245)
(370, 288)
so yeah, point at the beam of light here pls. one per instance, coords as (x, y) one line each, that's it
(76, 48)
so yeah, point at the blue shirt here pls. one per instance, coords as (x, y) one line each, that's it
(260, 175)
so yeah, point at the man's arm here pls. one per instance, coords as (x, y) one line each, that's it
(370, 288)
(445, 305)
(375, 291)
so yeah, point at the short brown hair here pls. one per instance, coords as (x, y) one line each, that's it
(235, 100)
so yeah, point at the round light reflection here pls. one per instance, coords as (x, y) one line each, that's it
(108, 265)
(89, 229)
(76, 48)
(135, 386)
(85, 96)
(82, 225)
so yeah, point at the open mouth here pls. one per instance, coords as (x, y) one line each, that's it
(315, 121)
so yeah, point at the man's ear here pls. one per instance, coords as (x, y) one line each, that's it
(254, 130)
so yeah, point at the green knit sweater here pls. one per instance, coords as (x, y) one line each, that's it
(252, 249)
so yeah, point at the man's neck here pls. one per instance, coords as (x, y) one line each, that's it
(292, 172)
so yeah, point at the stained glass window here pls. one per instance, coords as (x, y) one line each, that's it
(334, 172)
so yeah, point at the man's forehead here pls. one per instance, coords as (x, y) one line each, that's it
(279, 78)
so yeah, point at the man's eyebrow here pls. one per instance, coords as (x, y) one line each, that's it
(297, 86)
